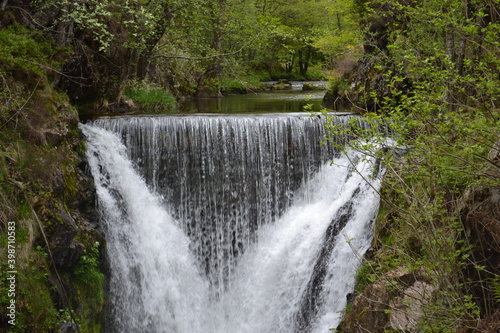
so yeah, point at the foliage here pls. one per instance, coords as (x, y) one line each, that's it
(307, 33)
(32, 170)
(35, 310)
(191, 46)
(364, 276)
(26, 50)
(87, 268)
(442, 127)
(90, 288)
(233, 86)
(93, 16)
(150, 96)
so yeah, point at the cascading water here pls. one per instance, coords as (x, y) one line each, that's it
(228, 224)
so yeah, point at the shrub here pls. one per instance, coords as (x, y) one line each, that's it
(27, 50)
(150, 96)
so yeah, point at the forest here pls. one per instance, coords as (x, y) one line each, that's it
(186, 48)
(427, 72)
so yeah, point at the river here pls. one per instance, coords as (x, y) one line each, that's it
(293, 100)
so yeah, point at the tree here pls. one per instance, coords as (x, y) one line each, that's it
(437, 92)
(307, 32)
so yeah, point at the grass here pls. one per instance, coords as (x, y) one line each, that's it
(150, 97)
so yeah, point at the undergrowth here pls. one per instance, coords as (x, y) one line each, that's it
(150, 97)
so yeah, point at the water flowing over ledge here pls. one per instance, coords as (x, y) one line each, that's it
(228, 224)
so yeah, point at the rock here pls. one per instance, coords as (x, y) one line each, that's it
(60, 229)
(405, 311)
(393, 303)
(53, 137)
(69, 256)
(68, 327)
(281, 86)
(57, 181)
(128, 102)
(309, 86)
(86, 199)
(494, 154)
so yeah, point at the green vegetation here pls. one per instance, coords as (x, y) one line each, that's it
(195, 47)
(39, 183)
(89, 282)
(428, 72)
(26, 51)
(150, 97)
(434, 86)
(37, 312)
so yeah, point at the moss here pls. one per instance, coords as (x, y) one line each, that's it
(232, 87)
(70, 182)
(39, 148)
(24, 49)
(24, 209)
(33, 173)
(36, 311)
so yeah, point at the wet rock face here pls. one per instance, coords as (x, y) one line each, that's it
(60, 229)
(393, 303)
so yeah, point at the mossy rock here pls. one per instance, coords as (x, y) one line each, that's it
(309, 87)
(282, 85)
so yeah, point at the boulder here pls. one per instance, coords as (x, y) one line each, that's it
(54, 137)
(406, 310)
(393, 303)
(309, 86)
(282, 85)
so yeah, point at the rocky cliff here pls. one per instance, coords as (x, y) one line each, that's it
(49, 229)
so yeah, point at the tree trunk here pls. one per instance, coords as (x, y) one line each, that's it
(304, 59)
(449, 47)
(462, 43)
(289, 65)
(449, 38)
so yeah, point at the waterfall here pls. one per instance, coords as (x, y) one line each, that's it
(229, 224)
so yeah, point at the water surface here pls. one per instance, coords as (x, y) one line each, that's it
(270, 101)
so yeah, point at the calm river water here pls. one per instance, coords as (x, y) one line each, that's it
(270, 101)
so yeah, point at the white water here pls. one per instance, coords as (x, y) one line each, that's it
(157, 284)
